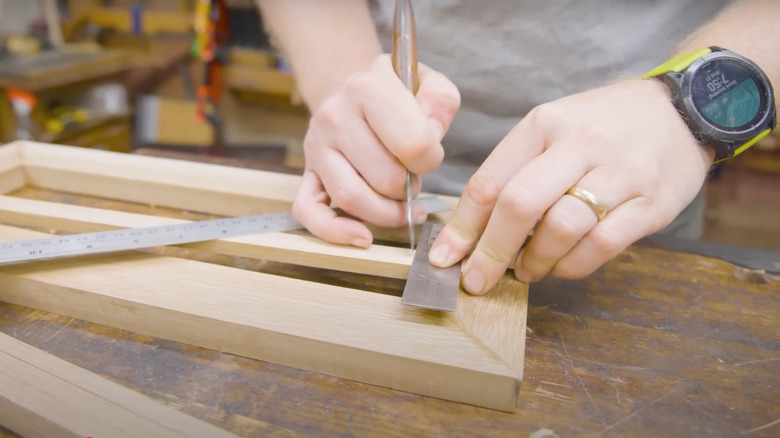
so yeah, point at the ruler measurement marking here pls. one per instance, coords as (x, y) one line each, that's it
(160, 235)
(138, 238)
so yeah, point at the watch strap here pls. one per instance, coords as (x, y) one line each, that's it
(677, 63)
(748, 144)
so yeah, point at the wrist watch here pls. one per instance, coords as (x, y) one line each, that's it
(726, 99)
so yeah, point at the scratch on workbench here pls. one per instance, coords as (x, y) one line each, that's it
(541, 392)
(612, 365)
(57, 332)
(636, 411)
(587, 392)
(545, 382)
(752, 362)
(531, 332)
(707, 414)
(759, 428)
(613, 382)
(543, 433)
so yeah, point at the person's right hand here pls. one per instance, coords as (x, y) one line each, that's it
(360, 142)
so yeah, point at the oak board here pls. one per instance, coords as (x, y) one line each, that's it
(473, 356)
(44, 396)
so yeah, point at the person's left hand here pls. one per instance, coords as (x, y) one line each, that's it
(624, 143)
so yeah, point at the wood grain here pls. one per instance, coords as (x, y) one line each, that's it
(496, 318)
(44, 396)
(286, 321)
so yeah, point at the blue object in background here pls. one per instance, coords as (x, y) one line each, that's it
(136, 18)
(281, 64)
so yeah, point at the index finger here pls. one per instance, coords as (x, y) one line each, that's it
(479, 197)
(524, 200)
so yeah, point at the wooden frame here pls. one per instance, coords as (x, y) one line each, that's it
(44, 396)
(474, 355)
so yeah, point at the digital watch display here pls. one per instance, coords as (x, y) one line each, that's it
(726, 100)
(727, 95)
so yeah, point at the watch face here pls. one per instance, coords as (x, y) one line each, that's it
(728, 95)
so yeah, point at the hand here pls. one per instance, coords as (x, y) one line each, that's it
(625, 143)
(359, 144)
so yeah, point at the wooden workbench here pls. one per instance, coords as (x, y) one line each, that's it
(656, 343)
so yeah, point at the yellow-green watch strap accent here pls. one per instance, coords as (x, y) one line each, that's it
(748, 144)
(677, 63)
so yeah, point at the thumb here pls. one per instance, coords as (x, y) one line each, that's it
(438, 98)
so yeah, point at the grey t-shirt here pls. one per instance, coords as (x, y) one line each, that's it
(508, 56)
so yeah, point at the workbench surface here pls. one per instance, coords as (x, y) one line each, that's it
(656, 343)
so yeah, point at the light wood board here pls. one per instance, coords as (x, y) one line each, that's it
(44, 396)
(474, 355)
(11, 175)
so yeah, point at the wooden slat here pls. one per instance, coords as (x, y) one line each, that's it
(472, 356)
(44, 396)
(10, 156)
(296, 249)
(11, 180)
(206, 188)
(164, 182)
(11, 175)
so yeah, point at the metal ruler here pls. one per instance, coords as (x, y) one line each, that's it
(428, 286)
(139, 238)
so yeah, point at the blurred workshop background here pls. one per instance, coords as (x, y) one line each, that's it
(195, 78)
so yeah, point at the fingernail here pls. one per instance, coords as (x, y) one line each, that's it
(523, 275)
(440, 256)
(474, 282)
(361, 242)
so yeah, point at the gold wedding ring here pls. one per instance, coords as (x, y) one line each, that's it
(589, 199)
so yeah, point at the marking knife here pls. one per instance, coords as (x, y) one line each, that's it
(404, 58)
(427, 286)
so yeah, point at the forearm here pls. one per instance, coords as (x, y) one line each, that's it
(324, 41)
(750, 28)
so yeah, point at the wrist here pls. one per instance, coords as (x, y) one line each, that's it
(317, 84)
(658, 88)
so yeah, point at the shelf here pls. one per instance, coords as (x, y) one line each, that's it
(55, 69)
(260, 80)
